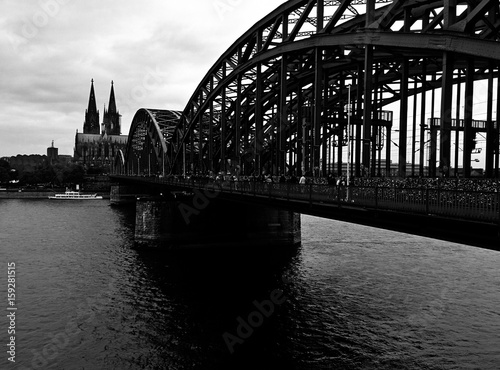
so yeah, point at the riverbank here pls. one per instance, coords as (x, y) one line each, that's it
(36, 194)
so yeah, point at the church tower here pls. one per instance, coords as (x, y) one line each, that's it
(91, 124)
(101, 142)
(112, 118)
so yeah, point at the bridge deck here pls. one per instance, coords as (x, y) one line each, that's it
(481, 206)
(470, 217)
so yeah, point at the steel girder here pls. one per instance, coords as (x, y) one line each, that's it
(276, 99)
(151, 136)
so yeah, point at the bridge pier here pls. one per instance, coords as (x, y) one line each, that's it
(182, 221)
(123, 194)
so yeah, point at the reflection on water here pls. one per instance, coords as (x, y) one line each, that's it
(350, 297)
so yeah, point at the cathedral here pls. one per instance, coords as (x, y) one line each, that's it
(99, 143)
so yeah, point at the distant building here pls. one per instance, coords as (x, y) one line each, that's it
(99, 143)
(52, 154)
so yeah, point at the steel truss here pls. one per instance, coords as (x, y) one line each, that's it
(149, 146)
(276, 101)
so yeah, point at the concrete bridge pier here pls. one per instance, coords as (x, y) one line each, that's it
(181, 221)
(123, 194)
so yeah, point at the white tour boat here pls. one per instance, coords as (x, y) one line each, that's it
(75, 195)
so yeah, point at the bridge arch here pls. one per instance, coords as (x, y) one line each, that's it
(278, 100)
(119, 163)
(149, 146)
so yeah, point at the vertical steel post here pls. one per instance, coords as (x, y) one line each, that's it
(299, 144)
(368, 92)
(320, 12)
(403, 118)
(223, 131)
(237, 123)
(340, 136)
(446, 105)
(433, 135)
(490, 151)
(359, 109)
(282, 116)
(449, 11)
(353, 134)
(370, 12)
(375, 127)
(324, 128)
(425, 22)
(497, 131)
(318, 105)
(468, 131)
(367, 109)
(348, 142)
(201, 144)
(211, 136)
(457, 119)
(414, 129)
(388, 144)
(259, 133)
(184, 159)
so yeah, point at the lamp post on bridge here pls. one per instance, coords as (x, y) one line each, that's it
(348, 181)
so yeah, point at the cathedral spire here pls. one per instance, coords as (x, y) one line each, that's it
(112, 118)
(92, 102)
(112, 102)
(91, 124)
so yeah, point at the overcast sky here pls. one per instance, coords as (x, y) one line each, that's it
(155, 51)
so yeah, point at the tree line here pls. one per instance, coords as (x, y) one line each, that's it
(44, 174)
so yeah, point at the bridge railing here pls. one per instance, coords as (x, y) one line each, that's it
(471, 205)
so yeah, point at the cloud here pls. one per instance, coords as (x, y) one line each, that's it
(156, 52)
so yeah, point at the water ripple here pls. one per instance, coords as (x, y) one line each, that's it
(355, 298)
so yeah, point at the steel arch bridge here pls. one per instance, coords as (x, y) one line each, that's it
(316, 81)
(150, 143)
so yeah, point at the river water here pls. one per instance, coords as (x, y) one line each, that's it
(350, 297)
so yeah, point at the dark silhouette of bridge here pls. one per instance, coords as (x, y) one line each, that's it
(319, 87)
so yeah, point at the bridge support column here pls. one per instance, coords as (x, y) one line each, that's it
(194, 222)
(122, 194)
